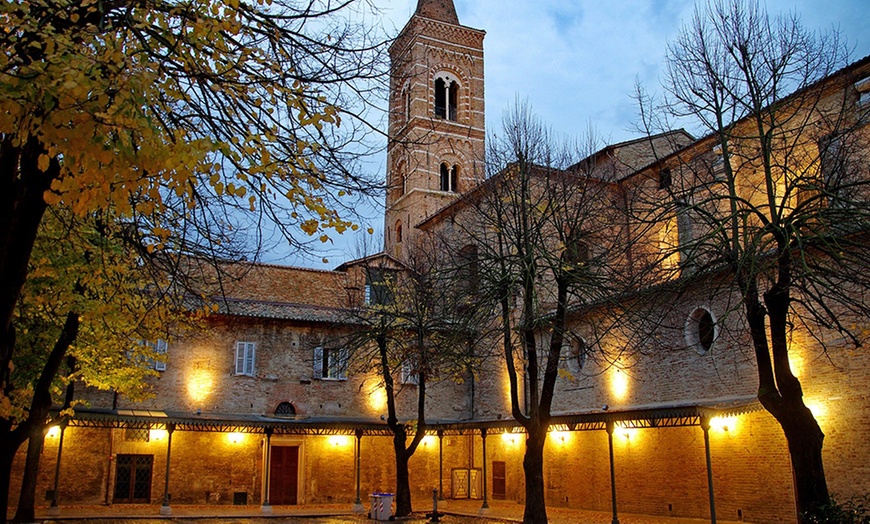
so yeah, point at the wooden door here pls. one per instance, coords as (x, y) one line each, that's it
(133, 478)
(284, 475)
(499, 488)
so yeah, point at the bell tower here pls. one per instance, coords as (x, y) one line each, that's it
(436, 121)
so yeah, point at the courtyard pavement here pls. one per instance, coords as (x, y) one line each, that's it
(457, 511)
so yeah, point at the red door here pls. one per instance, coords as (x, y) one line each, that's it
(283, 475)
(498, 480)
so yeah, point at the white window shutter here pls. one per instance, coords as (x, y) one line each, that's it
(240, 358)
(318, 362)
(160, 347)
(250, 348)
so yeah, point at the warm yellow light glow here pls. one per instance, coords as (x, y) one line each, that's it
(157, 434)
(796, 362)
(625, 432)
(818, 409)
(560, 437)
(427, 441)
(200, 383)
(618, 383)
(723, 424)
(338, 441)
(510, 438)
(53, 432)
(378, 399)
(235, 438)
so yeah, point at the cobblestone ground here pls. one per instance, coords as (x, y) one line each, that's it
(459, 512)
(448, 519)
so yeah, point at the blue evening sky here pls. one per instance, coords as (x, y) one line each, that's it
(576, 61)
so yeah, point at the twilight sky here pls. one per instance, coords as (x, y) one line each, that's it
(576, 62)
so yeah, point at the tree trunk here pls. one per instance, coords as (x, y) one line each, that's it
(781, 394)
(403, 483)
(805, 440)
(8, 448)
(533, 467)
(26, 511)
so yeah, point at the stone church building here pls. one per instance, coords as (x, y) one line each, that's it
(262, 408)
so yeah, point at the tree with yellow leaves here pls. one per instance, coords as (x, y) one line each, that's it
(86, 313)
(191, 119)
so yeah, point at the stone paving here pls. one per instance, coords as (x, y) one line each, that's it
(457, 512)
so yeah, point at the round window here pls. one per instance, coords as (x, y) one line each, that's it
(701, 330)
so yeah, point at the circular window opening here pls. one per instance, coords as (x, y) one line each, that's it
(701, 330)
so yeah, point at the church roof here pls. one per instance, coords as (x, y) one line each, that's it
(441, 10)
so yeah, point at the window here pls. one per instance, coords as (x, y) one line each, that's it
(446, 97)
(834, 170)
(400, 178)
(449, 177)
(160, 347)
(406, 100)
(701, 330)
(665, 178)
(377, 291)
(576, 253)
(245, 358)
(330, 364)
(409, 373)
(574, 351)
(684, 235)
(863, 88)
(285, 409)
(137, 435)
(399, 232)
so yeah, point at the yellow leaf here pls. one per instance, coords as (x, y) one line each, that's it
(42, 162)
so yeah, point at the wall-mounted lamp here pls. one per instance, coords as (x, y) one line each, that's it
(724, 424)
(625, 432)
(560, 436)
(53, 432)
(338, 441)
(235, 437)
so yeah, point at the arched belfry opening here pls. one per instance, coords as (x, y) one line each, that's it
(446, 97)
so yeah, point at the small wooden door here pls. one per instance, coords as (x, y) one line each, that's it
(133, 479)
(284, 475)
(499, 488)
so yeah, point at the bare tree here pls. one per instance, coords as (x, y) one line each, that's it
(541, 232)
(772, 205)
(410, 327)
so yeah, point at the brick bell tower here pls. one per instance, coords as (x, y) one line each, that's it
(436, 120)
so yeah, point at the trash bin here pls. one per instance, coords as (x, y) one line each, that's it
(382, 506)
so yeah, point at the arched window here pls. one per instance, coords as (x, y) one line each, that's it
(446, 97)
(286, 409)
(398, 181)
(449, 177)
